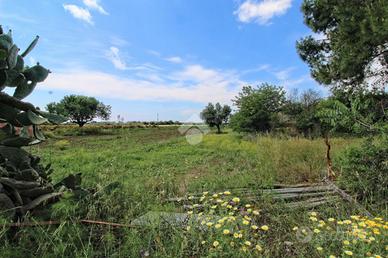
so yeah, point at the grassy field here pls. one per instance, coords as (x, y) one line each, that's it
(148, 166)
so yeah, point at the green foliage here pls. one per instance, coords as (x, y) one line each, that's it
(80, 109)
(364, 170)
(216, 115)
(354, 44)
(258, 108)
(302, 112)
(357, 112)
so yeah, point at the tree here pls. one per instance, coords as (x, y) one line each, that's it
(351, 56)
(353, 45)
(216, 115)
(301, 110)
(80, 109)
(258, 108)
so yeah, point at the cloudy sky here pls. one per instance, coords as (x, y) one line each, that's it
(145, 57)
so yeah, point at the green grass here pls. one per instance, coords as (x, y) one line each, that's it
(153, 164)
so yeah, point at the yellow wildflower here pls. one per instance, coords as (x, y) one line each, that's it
(313, 213)
(347, 252)
(203, 242)
(295, 228)
(245, 222)
(254, 227)
(205, 193)
(215, 195)
(226, 232)
(264, 227)
(258, 248)
(227, 193)
(316, 231)
(331, 219)
(319, 248)
(236, 199)
(216, 243)
(256, 212)
(313, 219)
(247, 243)
(209, 224)
(332, 256)
(247, 205)
(346, 242)
(217, 226)
(190, 212)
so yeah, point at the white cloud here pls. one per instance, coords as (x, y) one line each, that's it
(200, 85)
(283, 75)
(79, 12)
(153, 53)
(197, 73)
(261, 11)
(114, 56)
(174, 59)
(94, 5)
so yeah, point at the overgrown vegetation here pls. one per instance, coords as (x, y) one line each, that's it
(135, 170)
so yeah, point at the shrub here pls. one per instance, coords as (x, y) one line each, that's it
(364, 170)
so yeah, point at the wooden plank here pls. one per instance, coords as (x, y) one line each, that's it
(295, 191)
(302, 195)
(313, 202)
(347, 197)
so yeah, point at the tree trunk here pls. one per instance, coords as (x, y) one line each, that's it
(81, 123)
(330, 172)
(218, 129)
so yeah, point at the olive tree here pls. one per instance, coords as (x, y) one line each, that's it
(216, 115)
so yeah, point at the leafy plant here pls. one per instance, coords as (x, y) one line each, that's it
(364, 170)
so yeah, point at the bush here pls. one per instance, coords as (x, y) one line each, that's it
(364, 170)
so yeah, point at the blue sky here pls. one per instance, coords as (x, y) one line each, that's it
(145, 57)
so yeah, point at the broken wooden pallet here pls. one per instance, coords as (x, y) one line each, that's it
(294, 196)
(306, 196)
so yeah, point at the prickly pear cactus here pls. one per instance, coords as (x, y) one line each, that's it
(24, 183)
